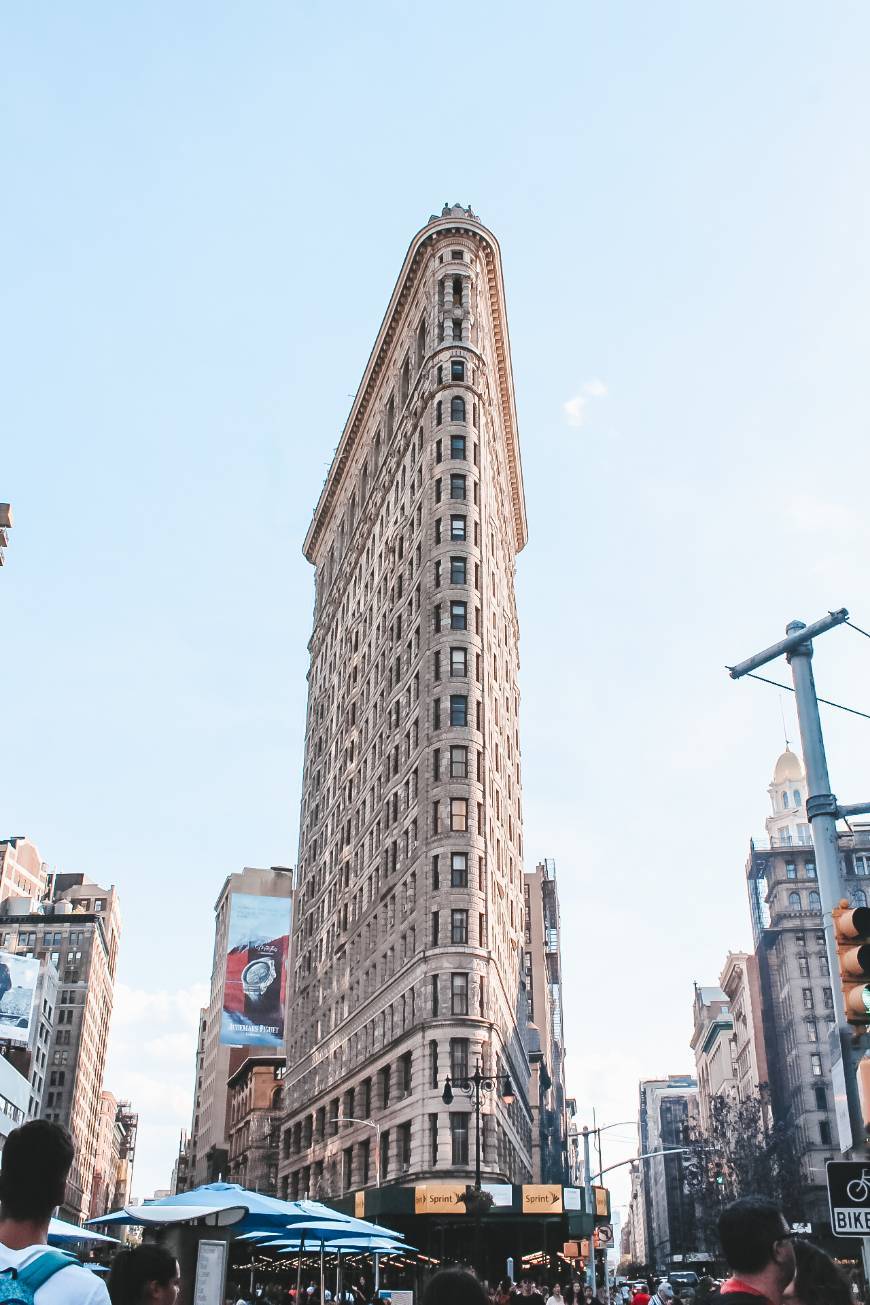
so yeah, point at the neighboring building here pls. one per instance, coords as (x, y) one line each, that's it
(127, 1129)
(575, 1144)
(409, 919)
(5, 527)
(78, 930)
(23, 873)
(256, 1106)
(14, 1098)
(181, 1169)
(713, 1045)
(32, 1060)
(545, 1038)
(740, 982)
(637, 1216)
(797, 995)
(216, 1060)
(668, 1115)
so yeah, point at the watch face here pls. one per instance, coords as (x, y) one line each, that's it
(257, 976)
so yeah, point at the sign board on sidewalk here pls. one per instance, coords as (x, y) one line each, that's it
(211, 1262)
(849, 1197)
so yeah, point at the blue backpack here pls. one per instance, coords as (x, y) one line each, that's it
(19, 1286)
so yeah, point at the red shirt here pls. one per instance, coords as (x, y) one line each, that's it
(641, 1298)
(736, 1284)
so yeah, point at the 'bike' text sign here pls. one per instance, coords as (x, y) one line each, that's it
(849, 1198)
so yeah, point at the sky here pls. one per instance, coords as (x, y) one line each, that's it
(206, 207)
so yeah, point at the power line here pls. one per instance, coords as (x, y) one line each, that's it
(853, 626)
(853, 711)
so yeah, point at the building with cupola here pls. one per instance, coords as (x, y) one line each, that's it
(797, 995)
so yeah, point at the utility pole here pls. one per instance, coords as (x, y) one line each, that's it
(823, 813)
(590, 1208)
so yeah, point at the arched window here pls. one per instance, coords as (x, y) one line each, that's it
(457, 409)
(438, 413)
(797, 797)
(859, 897)
(794, 901)
(815, 902)
(785, 799)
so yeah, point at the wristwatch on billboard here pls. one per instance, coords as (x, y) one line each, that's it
(257, 977)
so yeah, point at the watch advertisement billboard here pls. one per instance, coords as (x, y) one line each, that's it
(19, 976)
(258, 943)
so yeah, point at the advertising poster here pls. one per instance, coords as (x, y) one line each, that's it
(18, 979)
(258, 944)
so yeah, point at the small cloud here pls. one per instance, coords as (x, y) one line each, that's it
(575, 409)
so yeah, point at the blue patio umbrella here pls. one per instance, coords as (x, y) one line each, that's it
(60, 1231)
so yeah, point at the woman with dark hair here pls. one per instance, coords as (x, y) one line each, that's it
(454, 1287)
(818, 1279)
(144, 1275)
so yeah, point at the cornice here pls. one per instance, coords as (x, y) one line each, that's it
(361, 409)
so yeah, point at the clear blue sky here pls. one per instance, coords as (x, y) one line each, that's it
(205, 210)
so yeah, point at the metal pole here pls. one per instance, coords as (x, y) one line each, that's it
(590, 1207)
(822, 814)
(477, 1082)
(322, 1277)
(299, 1267)
(377, 1274)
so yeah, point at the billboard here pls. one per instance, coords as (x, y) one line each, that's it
(19, 976)
(255, 986)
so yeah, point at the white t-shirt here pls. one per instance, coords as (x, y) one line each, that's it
(71, 1286)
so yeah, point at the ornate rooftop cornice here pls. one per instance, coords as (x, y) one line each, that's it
(453, 221)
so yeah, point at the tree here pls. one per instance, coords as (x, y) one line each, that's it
(743, 1153)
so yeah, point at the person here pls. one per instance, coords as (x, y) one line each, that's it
(641, 1297)
(555, 1297)
(144, 1275)
(818, 1280)
(527, 1291)
(35, 1163)
(664, 1293)
(705, 1286)
(757, 1246)
(454, 1287)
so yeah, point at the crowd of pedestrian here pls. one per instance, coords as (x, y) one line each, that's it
(769, 1264)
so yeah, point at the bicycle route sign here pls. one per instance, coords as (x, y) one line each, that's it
(849, 1198)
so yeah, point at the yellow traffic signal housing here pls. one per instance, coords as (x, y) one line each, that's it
(852, 929)
(864, 1090)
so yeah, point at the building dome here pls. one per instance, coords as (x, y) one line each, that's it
(788, 768)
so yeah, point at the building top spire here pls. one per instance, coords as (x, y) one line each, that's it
(454, 210)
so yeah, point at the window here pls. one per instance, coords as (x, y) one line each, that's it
(385, 1153)
(797, 797)
(459, 994)
(435, 1001)
(816, 1064)
(824, 1132)
(794, 901)
(459, 927)
(365, 1155)
(457, 369)
(458, 709)
(811, 869)
(808, 998)
(457, 408)
(347, 1169)
(785, 799)
(457, 255)
(457, 571)
(385, 1086)
(436, 618)
(862, 867)
(803, 967)
(405, 1147)
(433, 1139)
(438, 413)
(815, 901)
(828, 998)
(436, 713)
(821, 1100)
(436, 878)
(457, 533)
(458, 1059)
(458, 663)
(459, 1139)
(457, 446)
(459, 762)
(458, 815)
(435, 928)
(457, 485)
(790, 867)
(812, 1031)
(438, 574)
(459, 615)
(433, 1064)
(858, 897)
(459, 870)
(405, 1065)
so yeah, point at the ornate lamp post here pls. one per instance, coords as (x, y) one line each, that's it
(474, 1087)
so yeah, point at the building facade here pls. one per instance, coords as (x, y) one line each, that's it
(23, 873)
(256, 1108)
(668, 1116)
(408, 925)
(545, 1036)
(77, 929)
(217, 1060)
(741, 984)
(713, 1046)
(797, 995)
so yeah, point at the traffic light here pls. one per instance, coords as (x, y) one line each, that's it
(852, 929)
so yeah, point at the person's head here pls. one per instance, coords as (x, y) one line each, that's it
(588, 1293)
(144, 1275)
(454, 1287)
(36, 1160)
(755, 1239)
(665, 1291)
(818, 1280)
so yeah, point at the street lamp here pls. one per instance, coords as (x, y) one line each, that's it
(473, 1087)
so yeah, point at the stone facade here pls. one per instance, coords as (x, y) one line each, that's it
(256, 1107)
(545, 1036)
(713, 1045)
(740, 982)
(409, 903)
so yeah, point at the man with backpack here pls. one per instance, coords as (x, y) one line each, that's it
(33, 1171)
